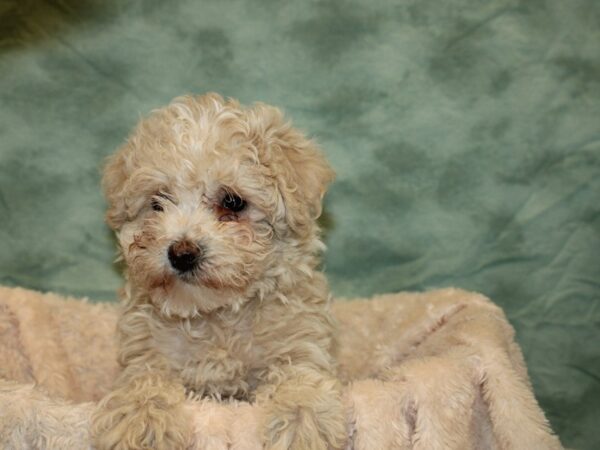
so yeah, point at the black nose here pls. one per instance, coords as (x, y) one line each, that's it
(184, 256)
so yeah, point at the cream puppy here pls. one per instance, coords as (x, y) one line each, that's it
(215, 207)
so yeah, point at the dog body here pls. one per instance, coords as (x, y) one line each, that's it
(230, 352)
(215, 209)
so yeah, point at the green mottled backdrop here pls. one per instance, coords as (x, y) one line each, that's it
(465, 135)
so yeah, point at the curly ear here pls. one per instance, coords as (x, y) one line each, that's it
(114, 180)
(303, 174)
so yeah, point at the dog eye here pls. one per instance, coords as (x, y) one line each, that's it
(156, 206)
(156, 202)
(233, 202)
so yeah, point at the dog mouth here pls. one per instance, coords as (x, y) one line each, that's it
(198, 278)
(166, 279)
(190, 277)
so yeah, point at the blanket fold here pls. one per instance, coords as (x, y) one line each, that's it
(434, 370)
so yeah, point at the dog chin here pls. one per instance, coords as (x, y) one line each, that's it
(188, 297)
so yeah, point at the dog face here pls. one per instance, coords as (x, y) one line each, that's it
(211, 201)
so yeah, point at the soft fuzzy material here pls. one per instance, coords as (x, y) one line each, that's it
(435, 370)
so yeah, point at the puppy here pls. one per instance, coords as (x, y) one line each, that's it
(215, 207)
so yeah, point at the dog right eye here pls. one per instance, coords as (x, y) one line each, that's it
(157, 201)
(156, 206)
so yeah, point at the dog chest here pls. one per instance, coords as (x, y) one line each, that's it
(213, 352)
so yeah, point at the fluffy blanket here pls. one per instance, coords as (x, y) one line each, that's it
(434, 370)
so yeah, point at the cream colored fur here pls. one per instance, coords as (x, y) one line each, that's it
(436, 370)
(253, 321)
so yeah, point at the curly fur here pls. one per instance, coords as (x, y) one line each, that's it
(253, 322)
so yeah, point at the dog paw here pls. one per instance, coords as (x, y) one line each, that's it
(142, 429)
(307, 422)
(128, 420)
(298, 431)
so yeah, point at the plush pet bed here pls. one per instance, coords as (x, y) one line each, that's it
(435, 370)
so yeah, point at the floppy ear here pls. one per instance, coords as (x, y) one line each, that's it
(114, 182)
(303, 174)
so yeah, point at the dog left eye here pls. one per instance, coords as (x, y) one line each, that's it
(233, 202)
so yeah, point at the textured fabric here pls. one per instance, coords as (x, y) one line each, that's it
(422, 371)
(465, 135)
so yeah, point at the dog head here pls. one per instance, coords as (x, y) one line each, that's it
(212, 201)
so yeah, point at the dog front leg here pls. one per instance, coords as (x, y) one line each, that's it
(145, 411)
(303, 410)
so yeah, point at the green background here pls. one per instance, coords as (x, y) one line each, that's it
(465, 135)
